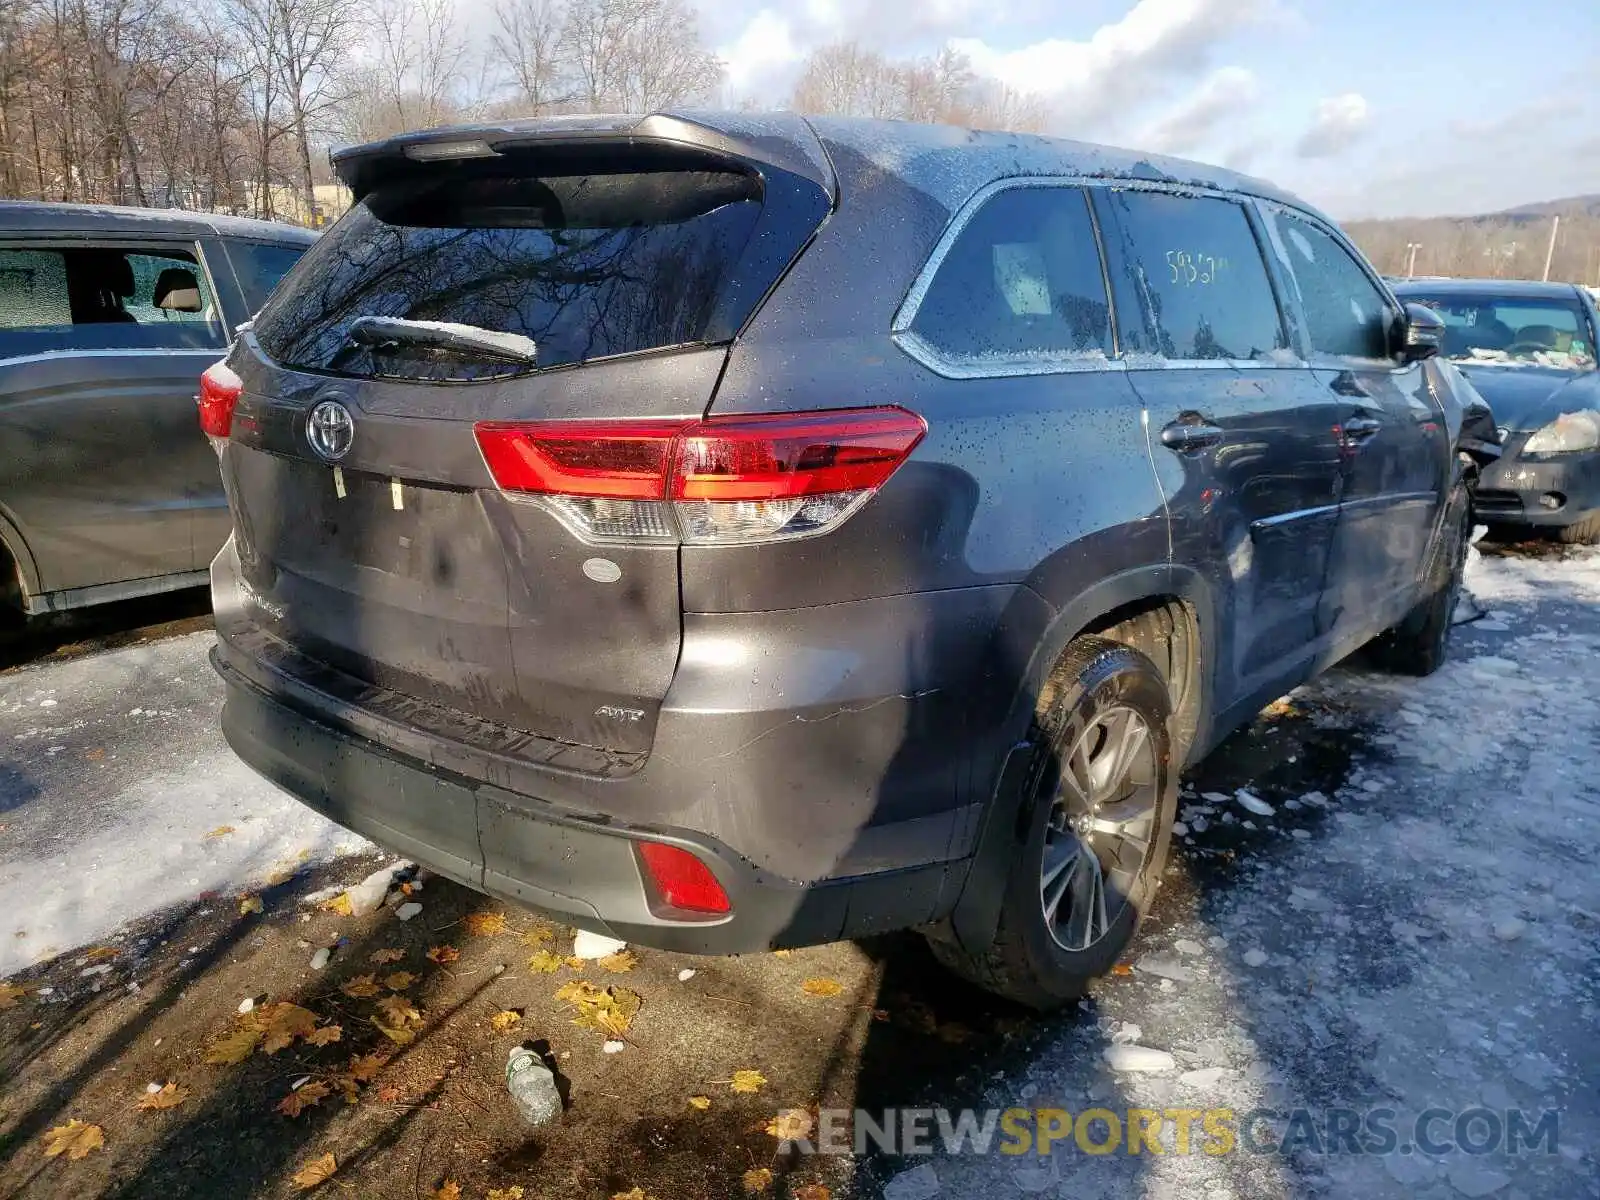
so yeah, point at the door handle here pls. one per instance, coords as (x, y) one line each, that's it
(1359, 429)
(1188, 436)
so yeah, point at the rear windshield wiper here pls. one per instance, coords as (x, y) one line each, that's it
(444, 335)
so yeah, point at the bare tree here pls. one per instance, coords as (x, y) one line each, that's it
(528, 39)
(637, 55)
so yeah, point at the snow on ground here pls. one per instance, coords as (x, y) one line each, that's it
(159, 810)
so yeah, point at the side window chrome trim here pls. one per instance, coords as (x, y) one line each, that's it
(211, 352)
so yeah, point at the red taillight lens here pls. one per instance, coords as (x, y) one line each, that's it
(682, 880)
(728, 480)
(219, 393)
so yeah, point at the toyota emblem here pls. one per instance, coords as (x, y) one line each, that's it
(330, 429)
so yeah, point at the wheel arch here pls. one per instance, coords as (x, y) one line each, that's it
(19, 574)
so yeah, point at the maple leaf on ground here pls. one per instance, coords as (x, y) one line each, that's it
(169, 1096)
(283, 1023)
(10, 993)
(318, 1170)
(573, 961)
(637, 1193)
(812, 1191)
(448, 1190)
(347, 1087)
(249, 904)
(325, 1036)
(504, 1020)
(622, 960)
(537, 936)
(400, 1010)
(306, 1096)
(747, 1082)
(606, 1010)
(365, 1069)
(485, 924)
(443, 955)
(361, 987)
(219, 831)
(400, 1035)
(399, 981)
(234, 1047)
(757, 1179)
(386, 955)
(822, 988)
(700, 1102)
(389, 1094)
(790, 1125)
(341, 905)
(542, 962)
(514, 1192)
(74, 1139)
(782, 953)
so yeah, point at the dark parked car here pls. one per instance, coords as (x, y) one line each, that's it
(737, 531)
(106, 316)
(1529, 348)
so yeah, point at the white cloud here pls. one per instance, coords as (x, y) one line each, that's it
(1188, 125)
(767, 47)
(1339, 123)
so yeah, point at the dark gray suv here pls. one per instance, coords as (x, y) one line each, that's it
(731, 531)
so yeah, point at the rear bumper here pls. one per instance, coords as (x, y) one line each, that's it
(582, 870)
(1521, 491)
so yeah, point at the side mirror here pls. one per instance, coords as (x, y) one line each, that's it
(1422, 333)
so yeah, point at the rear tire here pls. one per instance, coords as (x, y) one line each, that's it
(1581, 533)
(1419, 644)
(1097, 805)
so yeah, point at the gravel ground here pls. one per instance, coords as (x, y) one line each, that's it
(1415, 926)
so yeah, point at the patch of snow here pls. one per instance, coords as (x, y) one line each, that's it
(1251, 802)
(1137, 1058)
(593, 945)
(408, 910)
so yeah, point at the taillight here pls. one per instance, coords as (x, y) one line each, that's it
(682, 881)
(721, 481)
(219, 392)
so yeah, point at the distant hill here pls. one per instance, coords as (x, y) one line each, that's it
(1510, 244)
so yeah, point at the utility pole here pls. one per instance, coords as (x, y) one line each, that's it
(1549, 255)
(1411, 259)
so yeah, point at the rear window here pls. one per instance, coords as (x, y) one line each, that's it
(587, 266)
(259, 265)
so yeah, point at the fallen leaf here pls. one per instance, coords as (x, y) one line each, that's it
(386, 955)
(249, 904)
(790, 1125)
(505, 1020)
(233, 1048)
(399, 1010)
(170, 1096)
(74, 1139)
(283, 1023)
(399, 981)
(1122, 969)
(347, 1086)
(278, 878)
(747, 1081)
(607, 1010)
(700, 1102)
(448, 1190)
(545, 963)
(757, 1179)
(326, 1036)
(366, 1068)
(622, 960)
(341, 905)
(361, 987)
(10, 993)
(637, 1193)
(537, 936)
(822, 988)
(219, 831)
(485, 924)
(389, 1094)
(573, 961)
(96, 754)
(514, 1192)
(318, 1170)
(812, 1191)
(782, 953)
(307, 1096)
(443, 955)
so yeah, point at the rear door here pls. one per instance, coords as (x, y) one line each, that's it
(102, 463)
(621, 270)
(1395, 447)
(1243, 440)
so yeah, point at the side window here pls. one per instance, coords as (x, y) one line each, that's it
(258, 267)
(1195, 264)
(95, 297)
(1022, 284)
(1345, 313)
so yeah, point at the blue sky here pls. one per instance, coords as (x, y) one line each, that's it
(1366, 108)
